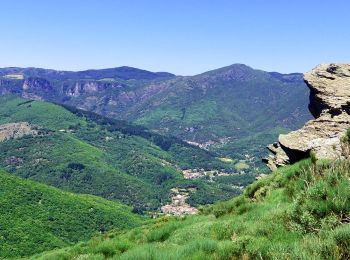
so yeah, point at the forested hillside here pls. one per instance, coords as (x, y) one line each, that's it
(36, 217)
(224, 110)
(85, 153)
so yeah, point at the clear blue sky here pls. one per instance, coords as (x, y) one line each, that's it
(180, 36)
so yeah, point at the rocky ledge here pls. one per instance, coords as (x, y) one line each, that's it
(330, 105)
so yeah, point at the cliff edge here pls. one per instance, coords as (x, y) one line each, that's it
(330, 105)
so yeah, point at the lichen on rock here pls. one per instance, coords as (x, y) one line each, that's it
(330, 105)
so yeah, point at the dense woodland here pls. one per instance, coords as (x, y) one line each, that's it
(85, 153)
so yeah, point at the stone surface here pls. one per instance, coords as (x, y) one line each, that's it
(329, 89)
(277, 158)
(330, 105)
(16, 130)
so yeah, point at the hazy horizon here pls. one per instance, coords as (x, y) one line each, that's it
(146, 70)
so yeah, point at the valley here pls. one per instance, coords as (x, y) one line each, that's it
(299, 211)
(140, 192)
(234, 112)
(174, 130)
(83, 152)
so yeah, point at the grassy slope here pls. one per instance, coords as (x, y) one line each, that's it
(97, 156)
(35, 217)
(39, 113)
(298, 212)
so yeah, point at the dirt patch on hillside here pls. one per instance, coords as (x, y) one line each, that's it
(16, 130)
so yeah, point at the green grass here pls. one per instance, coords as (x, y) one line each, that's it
(35, 217)
(40, 113)
(241, 165)
(299, 212)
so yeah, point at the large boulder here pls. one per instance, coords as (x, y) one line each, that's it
(330, 105)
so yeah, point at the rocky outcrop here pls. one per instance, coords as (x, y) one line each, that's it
(330, 89)
(37, 84)
(16, 130)
(330, 105)
(88, 87)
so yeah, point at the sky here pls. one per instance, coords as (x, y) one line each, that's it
(185, 37)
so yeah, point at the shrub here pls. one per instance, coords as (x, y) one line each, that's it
(342, 239)
(76, 166)
(161, 234)
(123, 245)
(348, 134)
(198, 247)
(222, 230)
(107, 248)
(345, 144)
(313, 157)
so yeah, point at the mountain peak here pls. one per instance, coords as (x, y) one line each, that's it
(236, 72)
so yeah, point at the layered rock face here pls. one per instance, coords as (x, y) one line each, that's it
(330, 105)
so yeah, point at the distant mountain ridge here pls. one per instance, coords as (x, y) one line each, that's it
(215, 110)
(123, 72)
(290, 77)
(299, 211)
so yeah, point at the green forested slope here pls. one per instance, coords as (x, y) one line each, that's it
(215, 109)
(35, 217)
(86, 153)
(227, 109)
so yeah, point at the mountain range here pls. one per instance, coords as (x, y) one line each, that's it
(222, 110)
(298, 211)
(96, 164)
